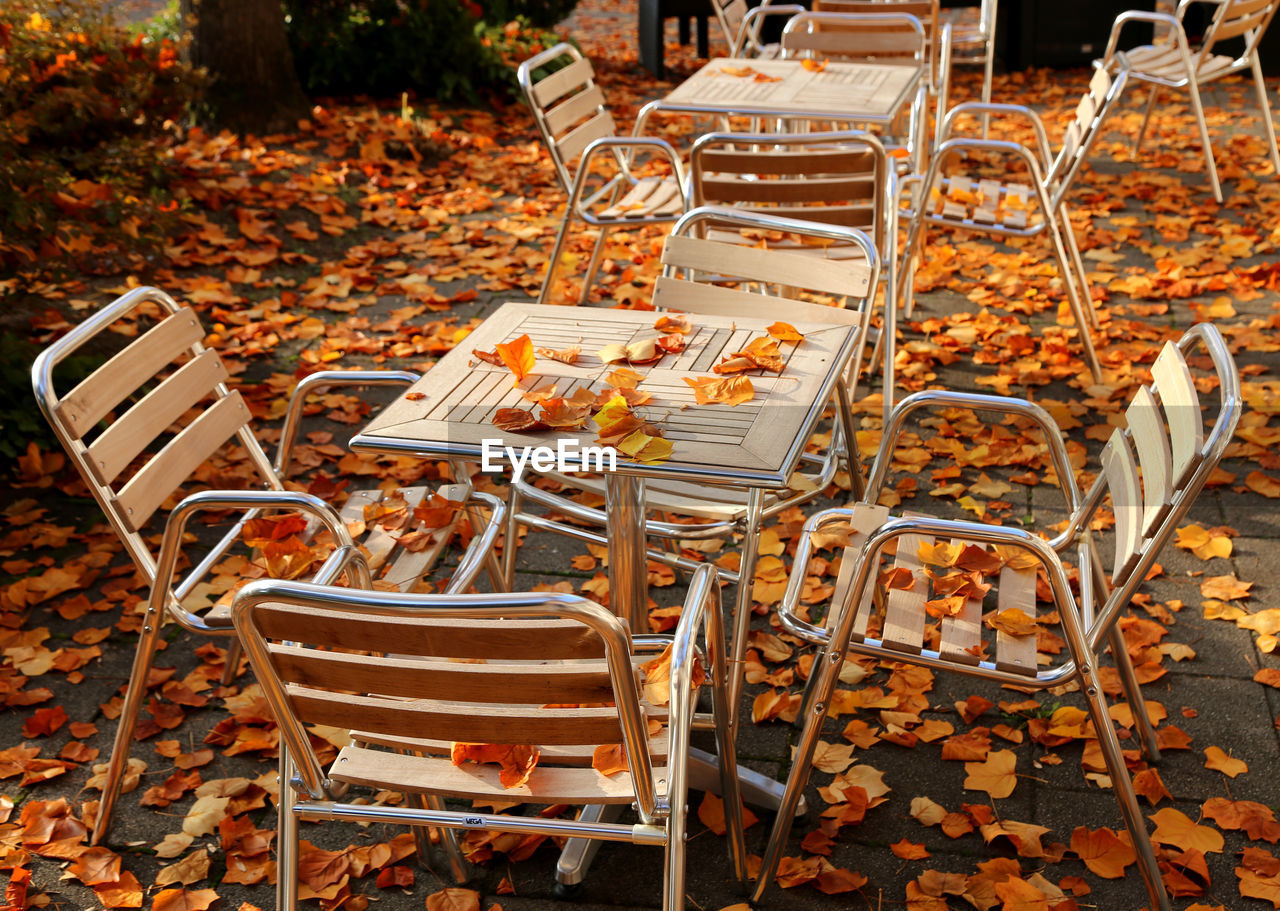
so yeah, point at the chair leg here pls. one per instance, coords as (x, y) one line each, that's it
(1133, 695)
(509, 543)
(556, 253)
(1082, 274)
(134, 694)
(740, 625)
(232, 661)
(1194, 89)
(448, 841)
(1146, 119)
(825, 673)
(594, 265)
(673, 859)
(286, 840)
(1073, 297)
(1260, 84)
(906, 275)
(889, 338)
(1122, 784)
(990, 45)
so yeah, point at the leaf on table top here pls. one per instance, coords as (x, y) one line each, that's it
(567, 355)
(673, 324)
(732, 390)
(644, 351)
(785, 332)
(517, 420)
(624, 378)
(565, 414)
(517, 355)
(645, 448)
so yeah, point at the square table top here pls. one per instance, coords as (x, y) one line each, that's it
(449, 412)
(839, 90)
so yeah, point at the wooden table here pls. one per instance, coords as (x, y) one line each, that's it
(449, 412)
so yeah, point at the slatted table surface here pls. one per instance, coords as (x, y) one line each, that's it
(449, 412)
(872, 92)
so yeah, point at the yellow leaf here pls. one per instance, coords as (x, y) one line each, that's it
(995, 775)
(1219, 761)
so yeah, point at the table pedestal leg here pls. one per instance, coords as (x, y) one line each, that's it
(577, 854)
(628, 573)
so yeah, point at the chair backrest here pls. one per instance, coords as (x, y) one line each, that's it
(544, 670)
(1236, 18)
(171, 405)
(697, 269)
(1091, 112)
(924, 11)
(838, 178)
(731, 14)
(1165, 439)
(560, 88)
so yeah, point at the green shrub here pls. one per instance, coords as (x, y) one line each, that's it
(437, 48)
(84, 107)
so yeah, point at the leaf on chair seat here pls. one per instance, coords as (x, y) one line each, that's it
(262, 531)
(1013, 621)
(657, 677)
(517, 761)
(436, 511)
(609, 759)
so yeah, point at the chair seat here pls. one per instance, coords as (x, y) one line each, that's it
(986, 203)
(650, 196)
(1164, 62)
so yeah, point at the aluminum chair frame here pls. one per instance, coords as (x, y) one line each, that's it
(1150, 515)
(1051, 180)
(308, 792)
(589, 143)
(73, 414)
(1228, 22)
(741, 25)
(837, 143)
(985, 38)
(750, 518)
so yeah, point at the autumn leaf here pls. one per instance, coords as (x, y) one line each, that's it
(906, 850)
(454, 899)
(517, 420)
(609, 759)
(563, 355)
(1103, 851)
(730, 391)
(183, 900)
(1013, 621)
(516, 761)
(995, 775)
(1219, 761)
(785, 332)
(517, 355)
(1174, 827)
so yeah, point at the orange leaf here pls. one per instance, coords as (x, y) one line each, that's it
(517, 420)
(1219, 761)
(124, 893)
(517, 761)
(609, 759)
(673, 324)
(1255, 819)
(1102, 851)
(183, 900)
(907, 850)
(995, 775)
(814, 66)
(732, 390)
(1174, 827)
(517, 355)
(785, 332)
(1013, 621)
(454, 899)
(563, 355)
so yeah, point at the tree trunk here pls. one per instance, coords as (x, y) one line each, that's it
(253, 86)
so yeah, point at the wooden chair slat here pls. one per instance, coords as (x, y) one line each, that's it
(904, 613)
(127, 436)
(649, 195)
(1177, 391)
(1152, 447)
(961, 635)
(575, 108)
(546, 785)
(574, 755)
(473, 723)
(1099, 84)
(571, 144)
(695, 297)
(1016, 654)
(1121, 471)
(465, 639)
(409, 567)
(537, 684)
(174, 464)
(563, 81)
(865, 520)
(109, 385)
(785, 162)
(815, 189)
(839, 277)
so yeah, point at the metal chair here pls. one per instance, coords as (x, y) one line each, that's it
(556, 676)
(580, 135)
(164, 378)
(952, 199)
(1174, 65)
(973, 40)
(1165, 437)
(707, 266)
(741, 25)
(844, 178)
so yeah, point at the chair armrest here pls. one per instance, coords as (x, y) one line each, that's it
(251, 502)
(937, 398)
(630, 145)
(998, 109)
(1174, 22)
(327, 379)
(786, 608)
